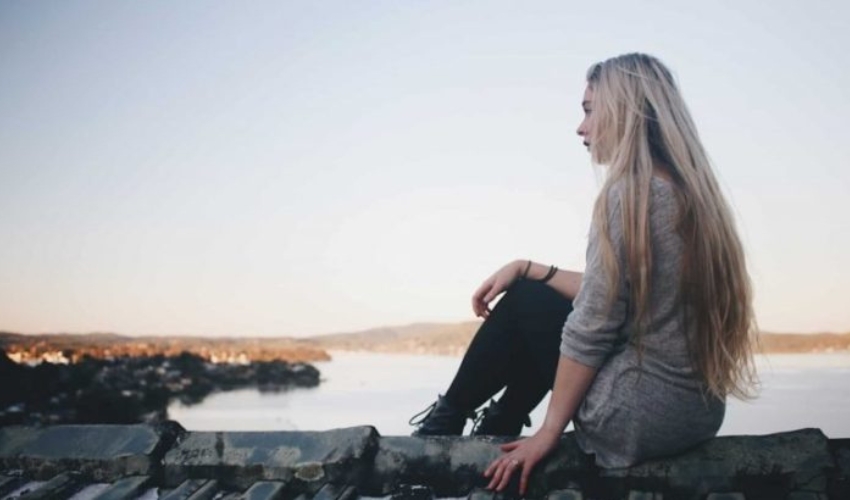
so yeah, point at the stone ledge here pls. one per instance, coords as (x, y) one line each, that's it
(772, 465)
(453, 466)
(306, 461)
(100, 452)
(336, 463)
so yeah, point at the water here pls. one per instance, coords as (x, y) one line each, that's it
(385, 390)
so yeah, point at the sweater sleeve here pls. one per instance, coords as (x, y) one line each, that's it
(593, 329)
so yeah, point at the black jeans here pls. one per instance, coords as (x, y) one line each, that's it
(516, 348)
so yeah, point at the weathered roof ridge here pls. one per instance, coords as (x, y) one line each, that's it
(341, 463)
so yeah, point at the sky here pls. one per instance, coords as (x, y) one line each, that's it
(294, 168)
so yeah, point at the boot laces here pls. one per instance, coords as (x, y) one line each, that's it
(482, 413)
(422, 415)
(479, 416)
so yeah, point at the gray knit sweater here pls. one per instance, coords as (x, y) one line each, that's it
(638, 409)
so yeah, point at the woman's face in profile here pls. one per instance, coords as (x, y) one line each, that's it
(585, 127)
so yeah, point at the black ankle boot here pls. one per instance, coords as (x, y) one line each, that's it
(440, 419)
(496, 420)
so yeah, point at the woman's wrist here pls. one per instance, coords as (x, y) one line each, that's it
(519, 268)
(528, 270)
(550, 431)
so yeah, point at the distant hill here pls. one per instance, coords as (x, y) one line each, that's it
(453, 338)
(447, 339)
(107, 345)
(804, 342)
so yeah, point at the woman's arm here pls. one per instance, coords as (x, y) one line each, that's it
(589, 335)
(571, 383)
(567, 283)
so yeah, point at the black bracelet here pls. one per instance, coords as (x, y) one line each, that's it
(549, 274)
(545, 279)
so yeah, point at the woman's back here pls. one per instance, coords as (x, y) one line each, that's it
(647, 400)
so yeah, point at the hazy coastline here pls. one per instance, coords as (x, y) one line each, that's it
(448, 339)
(110, 378)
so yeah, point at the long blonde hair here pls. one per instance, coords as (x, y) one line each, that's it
(640, 122)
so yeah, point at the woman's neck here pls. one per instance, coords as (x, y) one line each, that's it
(661, 171)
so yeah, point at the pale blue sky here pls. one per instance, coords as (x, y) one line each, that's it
(289, 168)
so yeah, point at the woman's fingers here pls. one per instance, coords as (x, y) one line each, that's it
(494, 466)
(493, 481)
(483, 296)
(503, 468)
(476, 308)
(523, 454)
(481, 310)
(510, 467)
(491, 468)
(491, 473)
(479, 305)
(528, 466)
(498, 474)
(492, 287)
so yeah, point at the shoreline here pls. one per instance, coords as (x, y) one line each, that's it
(128, 390)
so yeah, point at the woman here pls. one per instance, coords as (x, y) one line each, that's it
(659, 329)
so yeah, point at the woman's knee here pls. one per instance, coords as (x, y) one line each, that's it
(531, 301)
(530, 293)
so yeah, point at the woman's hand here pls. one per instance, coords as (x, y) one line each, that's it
(572, 379)
(524, 455)
(493, 286)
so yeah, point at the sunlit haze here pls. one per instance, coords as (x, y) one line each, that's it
(292, 168)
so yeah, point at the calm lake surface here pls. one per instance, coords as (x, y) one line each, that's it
(385, 390)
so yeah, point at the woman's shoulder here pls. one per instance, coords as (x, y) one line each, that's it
(660, 188)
